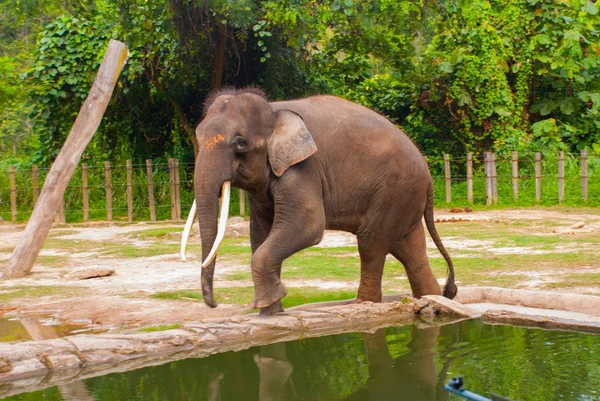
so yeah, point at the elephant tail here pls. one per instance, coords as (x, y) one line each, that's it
(450, 288)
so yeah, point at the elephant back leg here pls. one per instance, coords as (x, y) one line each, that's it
(411, 251)
(372, 259)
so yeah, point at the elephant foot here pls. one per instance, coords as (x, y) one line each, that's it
(266, 298)
(271, 309)
(209, 300)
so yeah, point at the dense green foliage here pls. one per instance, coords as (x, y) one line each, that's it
(458, 75)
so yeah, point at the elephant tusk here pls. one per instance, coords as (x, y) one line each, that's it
(186, 230)
(222, 223)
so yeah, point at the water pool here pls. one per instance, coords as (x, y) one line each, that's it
(397, 363)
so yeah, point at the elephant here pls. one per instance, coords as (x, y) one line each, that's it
(309, 165)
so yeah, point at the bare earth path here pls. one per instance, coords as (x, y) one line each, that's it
(526, 248)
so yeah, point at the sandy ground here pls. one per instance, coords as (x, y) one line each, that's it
(121, 300)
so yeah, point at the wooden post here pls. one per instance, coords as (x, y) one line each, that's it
(470, 177)
(538, 176)
(172, 189)
(561, 176)
(177, 189)
(86, 124)
(242, 202)
(108, 190)
(150, 190)
(488, 179)
(584, 175)
(13, 194)
(129, 190)
(84, 192)
(35, 184)
(494, 178)
(60, 215)
(515, 175)
(448, 178)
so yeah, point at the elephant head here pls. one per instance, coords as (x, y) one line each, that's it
(243, 143)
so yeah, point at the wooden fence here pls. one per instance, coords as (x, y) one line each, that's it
(138, 188)
(491, 176)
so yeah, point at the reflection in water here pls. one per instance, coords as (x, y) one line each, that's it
(412, 376)
(70, 392)
(400, 363)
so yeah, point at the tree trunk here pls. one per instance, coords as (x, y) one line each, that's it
(187, 125)
(216, 80)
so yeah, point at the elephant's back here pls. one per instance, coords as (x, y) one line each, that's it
(365, 161)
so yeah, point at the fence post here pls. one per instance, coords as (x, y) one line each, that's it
(150, 190)
(488, 179)
(448, 178)
(538, 176)
(13, 194)
(561, 176)
(84, 192)
(172, 189)
(129, 190)
(515, 175)
(494, 178)
(35, 183)
(60, 215)
(177, 189)
(470, 177)
(584, 176)
(108, 190)
(242, 202)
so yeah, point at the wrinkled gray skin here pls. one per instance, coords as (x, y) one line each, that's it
(364, 176)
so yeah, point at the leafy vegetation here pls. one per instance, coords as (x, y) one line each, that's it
(458, 75)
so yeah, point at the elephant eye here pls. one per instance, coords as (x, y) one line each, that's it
(239, 144)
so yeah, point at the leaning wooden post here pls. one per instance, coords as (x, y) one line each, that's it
(494, 178)
(488, 179)
(86, 124)
(515, 175)
(470, 177)
(13, 194)
(561, 176)
(538, 176)
(108, 191)
(584, 176)
(129, 190)
(85, 202)
(448, 178)
(35, 183)
(150, 190)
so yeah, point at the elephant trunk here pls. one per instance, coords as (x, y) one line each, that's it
(210, 236)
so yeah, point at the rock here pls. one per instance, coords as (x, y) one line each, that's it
(468, 210)
(577, 225)
(84, 274)
(436, 304)
(456, 210)
(235, 220)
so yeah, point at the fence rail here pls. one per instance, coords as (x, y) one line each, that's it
(153, 192)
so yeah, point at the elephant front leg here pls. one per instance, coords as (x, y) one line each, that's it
(299, 222)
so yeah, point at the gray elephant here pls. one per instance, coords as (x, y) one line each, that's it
(309, 165)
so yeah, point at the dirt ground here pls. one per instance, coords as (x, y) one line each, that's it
(121, 300)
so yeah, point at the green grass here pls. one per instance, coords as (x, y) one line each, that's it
(161, 232)
(575, 280)
(159, 328)
(244, 295)
(52, 260)
(35, 292)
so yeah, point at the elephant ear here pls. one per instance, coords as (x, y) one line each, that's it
(290, 143)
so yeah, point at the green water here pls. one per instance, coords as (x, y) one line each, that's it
(403, 363)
